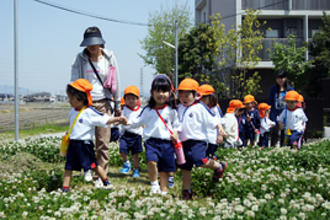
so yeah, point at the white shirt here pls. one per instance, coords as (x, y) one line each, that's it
(86, 122)
(153, 125)
(212, 134)
(130, 115)
(295, 120)
(231, 128)
(265, 125)
(195, 121)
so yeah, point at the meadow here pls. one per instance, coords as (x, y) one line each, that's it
(274, 183)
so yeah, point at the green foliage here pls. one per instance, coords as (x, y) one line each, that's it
(161, 28)
(291, 59)
(319, 48)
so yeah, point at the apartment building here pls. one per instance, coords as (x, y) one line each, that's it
(299, 17)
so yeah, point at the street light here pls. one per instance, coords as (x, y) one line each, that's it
(176, 52)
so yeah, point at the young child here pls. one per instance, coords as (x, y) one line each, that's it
(80, 152)
(252, 121)
(131, 140)
(265, 124)
(196, 119)
(293, 120)
(210, 100)
(115, 132)
(158, 117)
(231, 124)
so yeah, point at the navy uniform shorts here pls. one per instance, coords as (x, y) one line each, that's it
(264, 140)
(80, 155)
(114, 134)
(162, 152)
(195, 154)
(130, 142)
(295, 138)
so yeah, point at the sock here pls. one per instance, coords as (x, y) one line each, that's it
(106, 182)
(171, 179)
(154, 183)
(65, 188)
(219, 167)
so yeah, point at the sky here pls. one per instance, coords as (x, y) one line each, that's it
(49, 39)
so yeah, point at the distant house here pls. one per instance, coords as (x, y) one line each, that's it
(40, 97)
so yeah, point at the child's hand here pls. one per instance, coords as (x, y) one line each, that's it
(174, 136)
(256, 131)
(219, 139)
(248, 118)
(122, 120)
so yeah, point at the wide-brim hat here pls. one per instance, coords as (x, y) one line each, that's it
(93, 38)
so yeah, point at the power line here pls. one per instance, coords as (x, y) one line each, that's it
(91, 15)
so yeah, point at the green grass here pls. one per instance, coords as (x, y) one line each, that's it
(35, 130)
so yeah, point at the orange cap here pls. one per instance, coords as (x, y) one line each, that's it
(291, 96)
(206, 89)
(188, 84)
(249, 99)
(301, 98)
(234, 104)
(122, 101)
(262, 108)
(84, 85)
(132, 90)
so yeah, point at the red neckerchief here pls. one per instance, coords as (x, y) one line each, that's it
(291, 110)
(161, 107)
(133, 109)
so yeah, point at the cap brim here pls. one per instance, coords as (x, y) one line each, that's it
(92, 41)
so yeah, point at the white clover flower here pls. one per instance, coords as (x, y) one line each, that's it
(326, 205)
(281, 201)
(284, 211)
(239, 208)
(302, 215)
(282, 217)
(250, 213)
(247, 203)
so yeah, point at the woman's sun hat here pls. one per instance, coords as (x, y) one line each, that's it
(92, 36)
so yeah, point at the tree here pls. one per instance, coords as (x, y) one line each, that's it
(239, 53)
(161, 28)
(291, 59)
(319, 49)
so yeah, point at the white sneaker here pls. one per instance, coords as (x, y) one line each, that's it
(98, 183)
(155, 189)
(163, 193)
(107, 187)
(88, 175)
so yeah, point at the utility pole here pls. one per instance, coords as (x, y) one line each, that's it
(141, 81)
(16, 72)
(176, 54)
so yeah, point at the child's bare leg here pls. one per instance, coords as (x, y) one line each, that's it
(136, 161)
(212, 164)
(163, 181)
(152, 171)
(100, 172)
(67, 178)
(124, 156)
(186, 179)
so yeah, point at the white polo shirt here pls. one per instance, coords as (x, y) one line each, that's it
(86, 123)
(295, 120)
(131, 114)
(231, 128)
(265, 125)
(212, 134)
(153, 125)
(195, 120)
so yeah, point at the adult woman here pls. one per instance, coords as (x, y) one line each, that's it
(276, 100)
(97, 65)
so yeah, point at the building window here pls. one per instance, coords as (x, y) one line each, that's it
(274, 33)
(314, 31)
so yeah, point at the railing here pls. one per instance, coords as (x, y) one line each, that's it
(284, 4)
(268, 45)
(266, 4)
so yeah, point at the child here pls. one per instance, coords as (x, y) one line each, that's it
(265, 124)
(158, 117)
(115, 132)
(252, 121)
(231, 124)
(80, 152)
(195, 119)
(131, 140)
(210, 100)
(293, 119)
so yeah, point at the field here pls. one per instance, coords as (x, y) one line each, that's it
(32, 115)
(276, 183)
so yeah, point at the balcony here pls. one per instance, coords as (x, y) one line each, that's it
(310, 5)
(268, 45)
(266, 4)
(285, 4)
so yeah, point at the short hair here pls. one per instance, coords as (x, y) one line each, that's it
(79, 95)
(213, 101)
